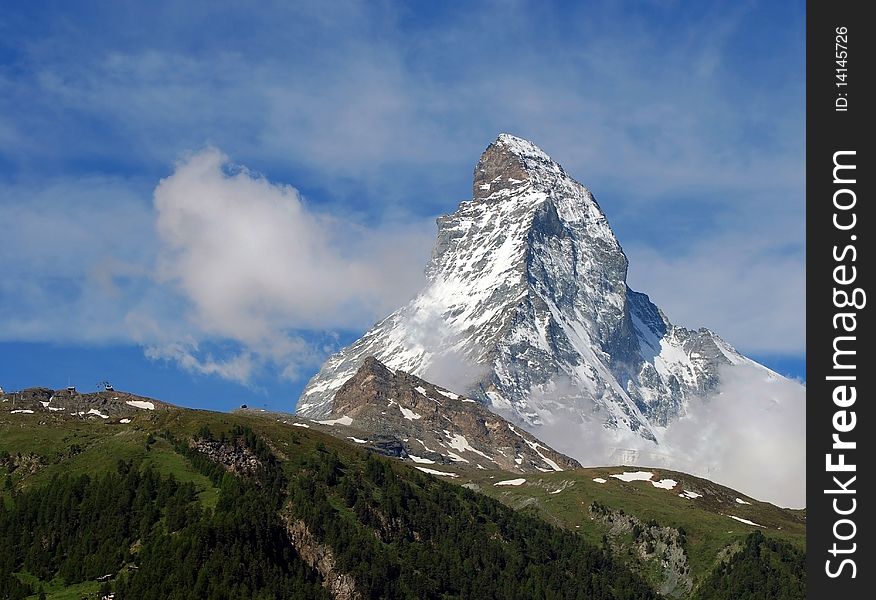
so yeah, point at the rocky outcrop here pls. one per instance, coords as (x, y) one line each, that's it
(234, 456)
(652, 543)
(434, 426)
(319, 557)
(26, 464)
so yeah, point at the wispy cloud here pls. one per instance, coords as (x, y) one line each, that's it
(750, 289)
(75, 255)
(379, 113)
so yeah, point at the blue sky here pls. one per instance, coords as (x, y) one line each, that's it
(199, 201)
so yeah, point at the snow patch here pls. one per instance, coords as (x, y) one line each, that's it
(97, 413)
(456, 457)
(301, 425)
(409, 414)
(634, 476)
(434, 472)
(357, 440)
(425, 447)
(450, 395)
(663, 484)
(741, 501)
(746, 521)
(458, 442)
(25, 411)
(345, 420)
(520, 481)
(141, 404)
(536, 446)
(125, 421)
(421, 460)
(600, 480)
(690, 495)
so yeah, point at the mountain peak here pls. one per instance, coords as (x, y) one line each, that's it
(371, 365)
(527, 310)
(511, 163)
(521, 147)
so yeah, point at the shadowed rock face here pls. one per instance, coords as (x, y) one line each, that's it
(439, 427)
(527, 300)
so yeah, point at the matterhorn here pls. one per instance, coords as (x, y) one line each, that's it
(527, 310)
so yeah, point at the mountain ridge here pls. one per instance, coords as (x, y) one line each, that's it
(433, 426)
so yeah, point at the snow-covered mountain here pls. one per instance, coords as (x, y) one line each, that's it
(527, 309)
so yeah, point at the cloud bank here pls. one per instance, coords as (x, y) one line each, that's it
(749, 435)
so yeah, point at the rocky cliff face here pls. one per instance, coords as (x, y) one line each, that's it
(435, 426)
(527, 310)
(320, 557)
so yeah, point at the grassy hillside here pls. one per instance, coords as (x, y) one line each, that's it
(389, 529)
(85, 499)
(579, 501)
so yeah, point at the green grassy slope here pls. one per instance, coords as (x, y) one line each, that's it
(565, 499)
(396, 532)
(39, 446)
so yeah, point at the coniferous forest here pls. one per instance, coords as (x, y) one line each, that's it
(412, 537)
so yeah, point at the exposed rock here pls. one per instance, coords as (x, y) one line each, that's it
(27, 463)
(235, 457)
(106, 405)
(431, 425)
(652, 543)
(319, 556)
(388, 446)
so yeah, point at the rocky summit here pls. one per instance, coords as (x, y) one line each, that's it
(435, 426)
(527, 310)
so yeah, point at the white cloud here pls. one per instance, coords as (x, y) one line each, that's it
(252, 255)
(750, 436)
(256, 263)
(724, 438)
(226, 274)
(237, 368)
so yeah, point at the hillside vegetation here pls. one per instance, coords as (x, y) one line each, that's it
(179, 503)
